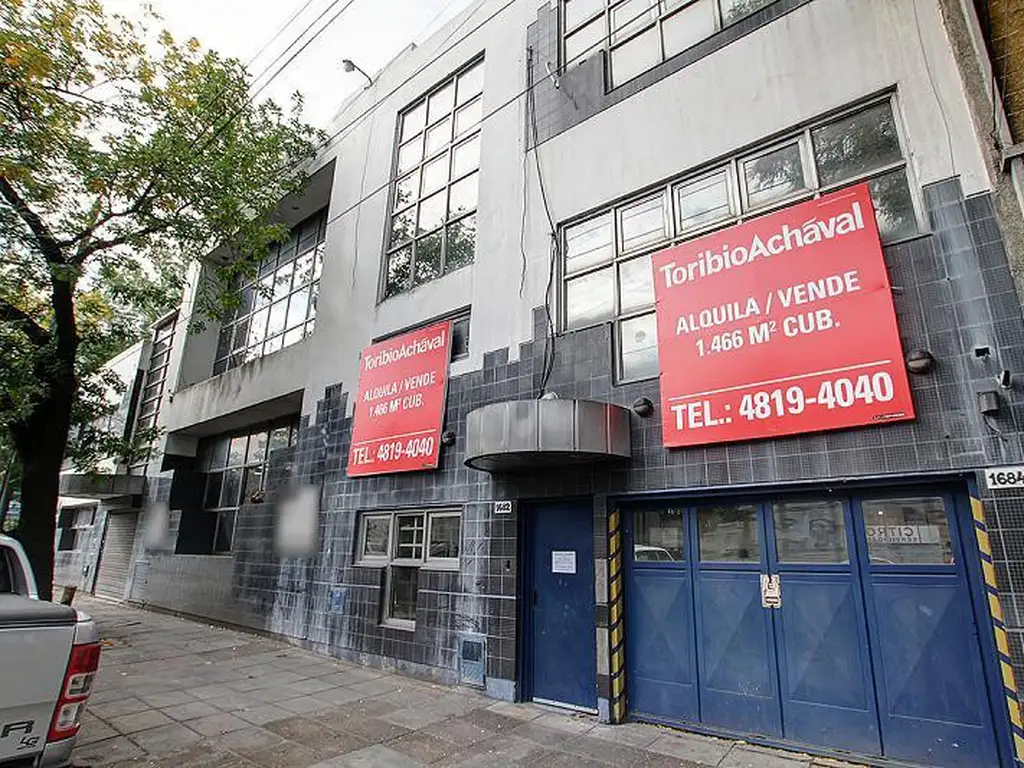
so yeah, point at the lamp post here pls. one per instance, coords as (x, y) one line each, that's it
(350, 66)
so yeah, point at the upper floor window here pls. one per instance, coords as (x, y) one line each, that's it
(278, 307)
(607, 257)
(639, 34)
(432, 226)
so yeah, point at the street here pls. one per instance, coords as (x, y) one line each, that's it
(173, 692)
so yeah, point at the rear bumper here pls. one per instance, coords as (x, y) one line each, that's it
(57, 753)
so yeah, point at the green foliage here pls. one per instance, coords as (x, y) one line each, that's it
(125, 156)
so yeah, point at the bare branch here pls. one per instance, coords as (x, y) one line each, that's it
(35, 332)
(93, 246)
(48, 245)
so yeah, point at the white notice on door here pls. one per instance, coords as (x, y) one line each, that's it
(563, 561)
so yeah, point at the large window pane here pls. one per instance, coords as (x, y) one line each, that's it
(428, 257)
(399, 264)
(909, 531)
(432, 212)
(278, 313)
(774, 175)
(435, 175)
(440, 103)
(577, 11)
(236, 451)
(631, 16)
(214, 481)
(410, 154)
(409, 537)
(404, 583)
(856, 145)
(439, 136)
(376, 536)
(413, 121)
(590, 298)
(589, 244)
(258, 327)
(297, 306)
(579, 45)
(734, 10)
(403, 225)
(703, 201)
(729, 534)
(225, 531)
(642, 223)
(466, 157)
(468, 116)
(894, 207)
(636, 284)
(638, 347)
(257, 452)
(810, 532)
(463, 196)
(231, 487)
(461, 244)
(689, 26)
(470, 83)
(658, 536)
(637, 56)
(444, 536)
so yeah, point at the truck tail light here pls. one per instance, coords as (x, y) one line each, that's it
(75, 690)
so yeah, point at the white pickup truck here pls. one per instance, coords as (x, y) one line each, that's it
(49, 655)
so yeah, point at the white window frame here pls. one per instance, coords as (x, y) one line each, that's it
(388, 563)
(741, 211)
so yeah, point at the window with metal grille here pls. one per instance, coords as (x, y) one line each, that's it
(432, 226)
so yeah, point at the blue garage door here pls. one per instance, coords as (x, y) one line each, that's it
(840, 623)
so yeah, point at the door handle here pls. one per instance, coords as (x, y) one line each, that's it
(771, 590)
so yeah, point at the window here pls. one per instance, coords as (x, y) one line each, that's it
(234, 473)
(153, 386)
(278, 306)
(73, 525)
(436, 176)
(607, 258)
(403, 542)
(638, 34)
(460, 334)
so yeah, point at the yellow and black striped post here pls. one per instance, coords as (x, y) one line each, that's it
(998, 626)
(616, 625)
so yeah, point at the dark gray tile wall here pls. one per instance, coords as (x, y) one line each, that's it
(584, 90)
(952, 292)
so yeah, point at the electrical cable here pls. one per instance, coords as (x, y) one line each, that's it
(280, 31)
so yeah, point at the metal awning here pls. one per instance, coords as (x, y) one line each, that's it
(516, 435)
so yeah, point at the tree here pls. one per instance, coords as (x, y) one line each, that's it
(125, 155)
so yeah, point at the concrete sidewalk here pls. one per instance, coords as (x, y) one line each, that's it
(180, 693)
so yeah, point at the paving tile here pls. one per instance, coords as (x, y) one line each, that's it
(168, 699)
(140, 721)
(567, 723)
(94, 729)
(703, 750)
(498, 750)
(540, 734)
(603, 751)
(107, 750)
(633, 734)
(245, 740)
(492, 721)
(304, 705)
(423, 747)
(377, 686)
(166, 739)
(215, 725)
(337, 696)
(518, 711)
(371, 729)
(750, 757)
(122, 706)
(311, 685)
(285, 755)
(413, 718)
(458, 732)
(263, 714)
(550, 759)
(190, 711)
(375, 756)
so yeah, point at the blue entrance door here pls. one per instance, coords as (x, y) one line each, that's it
(932, 697)
(562, 653)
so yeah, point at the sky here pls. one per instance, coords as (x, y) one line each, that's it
(370, 32)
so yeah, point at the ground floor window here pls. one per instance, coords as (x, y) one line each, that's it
(403, 542)
(72, 526)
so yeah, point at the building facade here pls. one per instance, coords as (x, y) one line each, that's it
(619, 504)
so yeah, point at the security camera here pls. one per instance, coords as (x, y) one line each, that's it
(1004, 379)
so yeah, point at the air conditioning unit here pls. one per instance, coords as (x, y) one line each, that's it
(472, 652)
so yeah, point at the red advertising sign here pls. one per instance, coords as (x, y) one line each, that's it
(780, 325)
(402, 386)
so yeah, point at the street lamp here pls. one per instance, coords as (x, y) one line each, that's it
(350, 66)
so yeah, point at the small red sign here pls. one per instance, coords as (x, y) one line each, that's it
(780, 325)
(398, 415)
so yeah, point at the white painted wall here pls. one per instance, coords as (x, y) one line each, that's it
(821, 56)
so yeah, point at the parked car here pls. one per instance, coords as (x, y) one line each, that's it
(49, 655)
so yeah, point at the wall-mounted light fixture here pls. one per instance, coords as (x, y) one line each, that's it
(448, 437)
(643, 407)
(920, 361)
(350, 66)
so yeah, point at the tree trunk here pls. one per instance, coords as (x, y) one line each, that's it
(41, 440)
